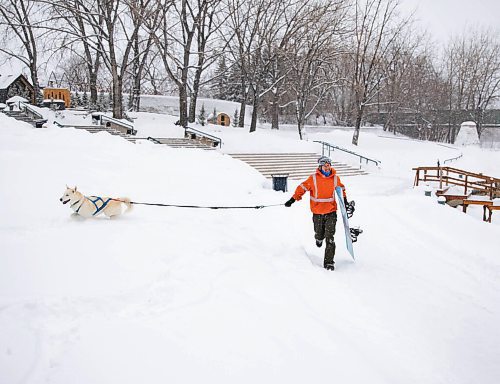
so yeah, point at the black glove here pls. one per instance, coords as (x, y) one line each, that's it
(290, 202)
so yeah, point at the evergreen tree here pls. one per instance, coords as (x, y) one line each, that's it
(73, 103)
(233, 86)
(220, 82)
(236, 118)
(100, 101)
(85, 100)
(202, 118)
(78, 99)
(105, 101)
(110, 99)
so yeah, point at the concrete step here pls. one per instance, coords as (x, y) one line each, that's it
(295, 165)
(178, 142)
(96, 129)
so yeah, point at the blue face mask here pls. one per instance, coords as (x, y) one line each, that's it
(325, 173)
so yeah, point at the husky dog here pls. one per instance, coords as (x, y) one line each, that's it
(88, 206)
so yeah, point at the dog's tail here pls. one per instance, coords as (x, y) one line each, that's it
(126, 201)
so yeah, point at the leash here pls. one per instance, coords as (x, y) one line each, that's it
(201, 206)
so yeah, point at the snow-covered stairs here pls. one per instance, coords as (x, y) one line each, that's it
(295, 165)
(21, 116)
(100, 128)
(179, 142)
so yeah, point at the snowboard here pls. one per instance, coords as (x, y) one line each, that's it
(340, 203)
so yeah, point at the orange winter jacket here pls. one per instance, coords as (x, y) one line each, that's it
(321, 190)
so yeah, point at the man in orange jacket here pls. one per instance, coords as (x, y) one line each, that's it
(321, 186)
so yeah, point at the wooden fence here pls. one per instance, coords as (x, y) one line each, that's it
(475, 183)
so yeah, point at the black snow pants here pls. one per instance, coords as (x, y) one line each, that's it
(324, 228)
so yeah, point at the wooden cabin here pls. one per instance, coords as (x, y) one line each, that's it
(57, 94)
(16, 85)
(221, 119)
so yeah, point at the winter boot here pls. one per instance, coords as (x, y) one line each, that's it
(330, 267)
(319, 243)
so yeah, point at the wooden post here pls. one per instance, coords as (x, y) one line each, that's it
(440, 175)
(466, 177)
(417, 177)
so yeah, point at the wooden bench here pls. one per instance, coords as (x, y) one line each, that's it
(454, 200)
(484, 203)
(490, 208)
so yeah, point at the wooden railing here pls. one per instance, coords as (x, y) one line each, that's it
(475, 183)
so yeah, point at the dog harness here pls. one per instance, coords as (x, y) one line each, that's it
(99, 203)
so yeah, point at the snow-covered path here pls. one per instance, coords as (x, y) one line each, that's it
(188, 295)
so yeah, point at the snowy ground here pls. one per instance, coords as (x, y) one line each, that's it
(237, 296)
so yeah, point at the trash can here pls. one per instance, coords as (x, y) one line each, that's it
(96, 118)
(40, 123)
(428, 191)
(280, 182)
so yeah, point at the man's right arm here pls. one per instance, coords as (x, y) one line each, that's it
(299, 192)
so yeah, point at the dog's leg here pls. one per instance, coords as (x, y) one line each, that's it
(126, 201)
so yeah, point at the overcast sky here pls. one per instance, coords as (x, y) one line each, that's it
(445, 17)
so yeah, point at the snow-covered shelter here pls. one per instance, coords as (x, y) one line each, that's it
(468, 134)
(59, 94)
(221, 119)
(15, 85)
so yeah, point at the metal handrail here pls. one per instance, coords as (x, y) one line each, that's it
(33, 112)
(453, 159)
(128, 127)
(218, 140)
(332, 147)
(120, 122)
(153, 140)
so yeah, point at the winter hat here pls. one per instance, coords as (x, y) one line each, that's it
(323, 160)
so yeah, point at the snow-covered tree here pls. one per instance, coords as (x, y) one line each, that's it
(202, 117)
(235, 118)
(376, 27)
(85, 100)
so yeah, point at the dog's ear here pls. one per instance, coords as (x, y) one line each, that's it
(75, 188)
(67, 186)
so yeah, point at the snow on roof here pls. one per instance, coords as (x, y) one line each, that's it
(53, 101)
(467, 135)
(7, 79)
(15, 99)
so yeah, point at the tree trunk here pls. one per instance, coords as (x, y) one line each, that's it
(299, 114)
(93, 87)
(275, 112)
(194, 94)
(357, 126)
(255, 106)
(183, 105)
(117, 97)
(36, 86)
(243, 104)
(300, 126)
(193, 99)
(241, 118)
